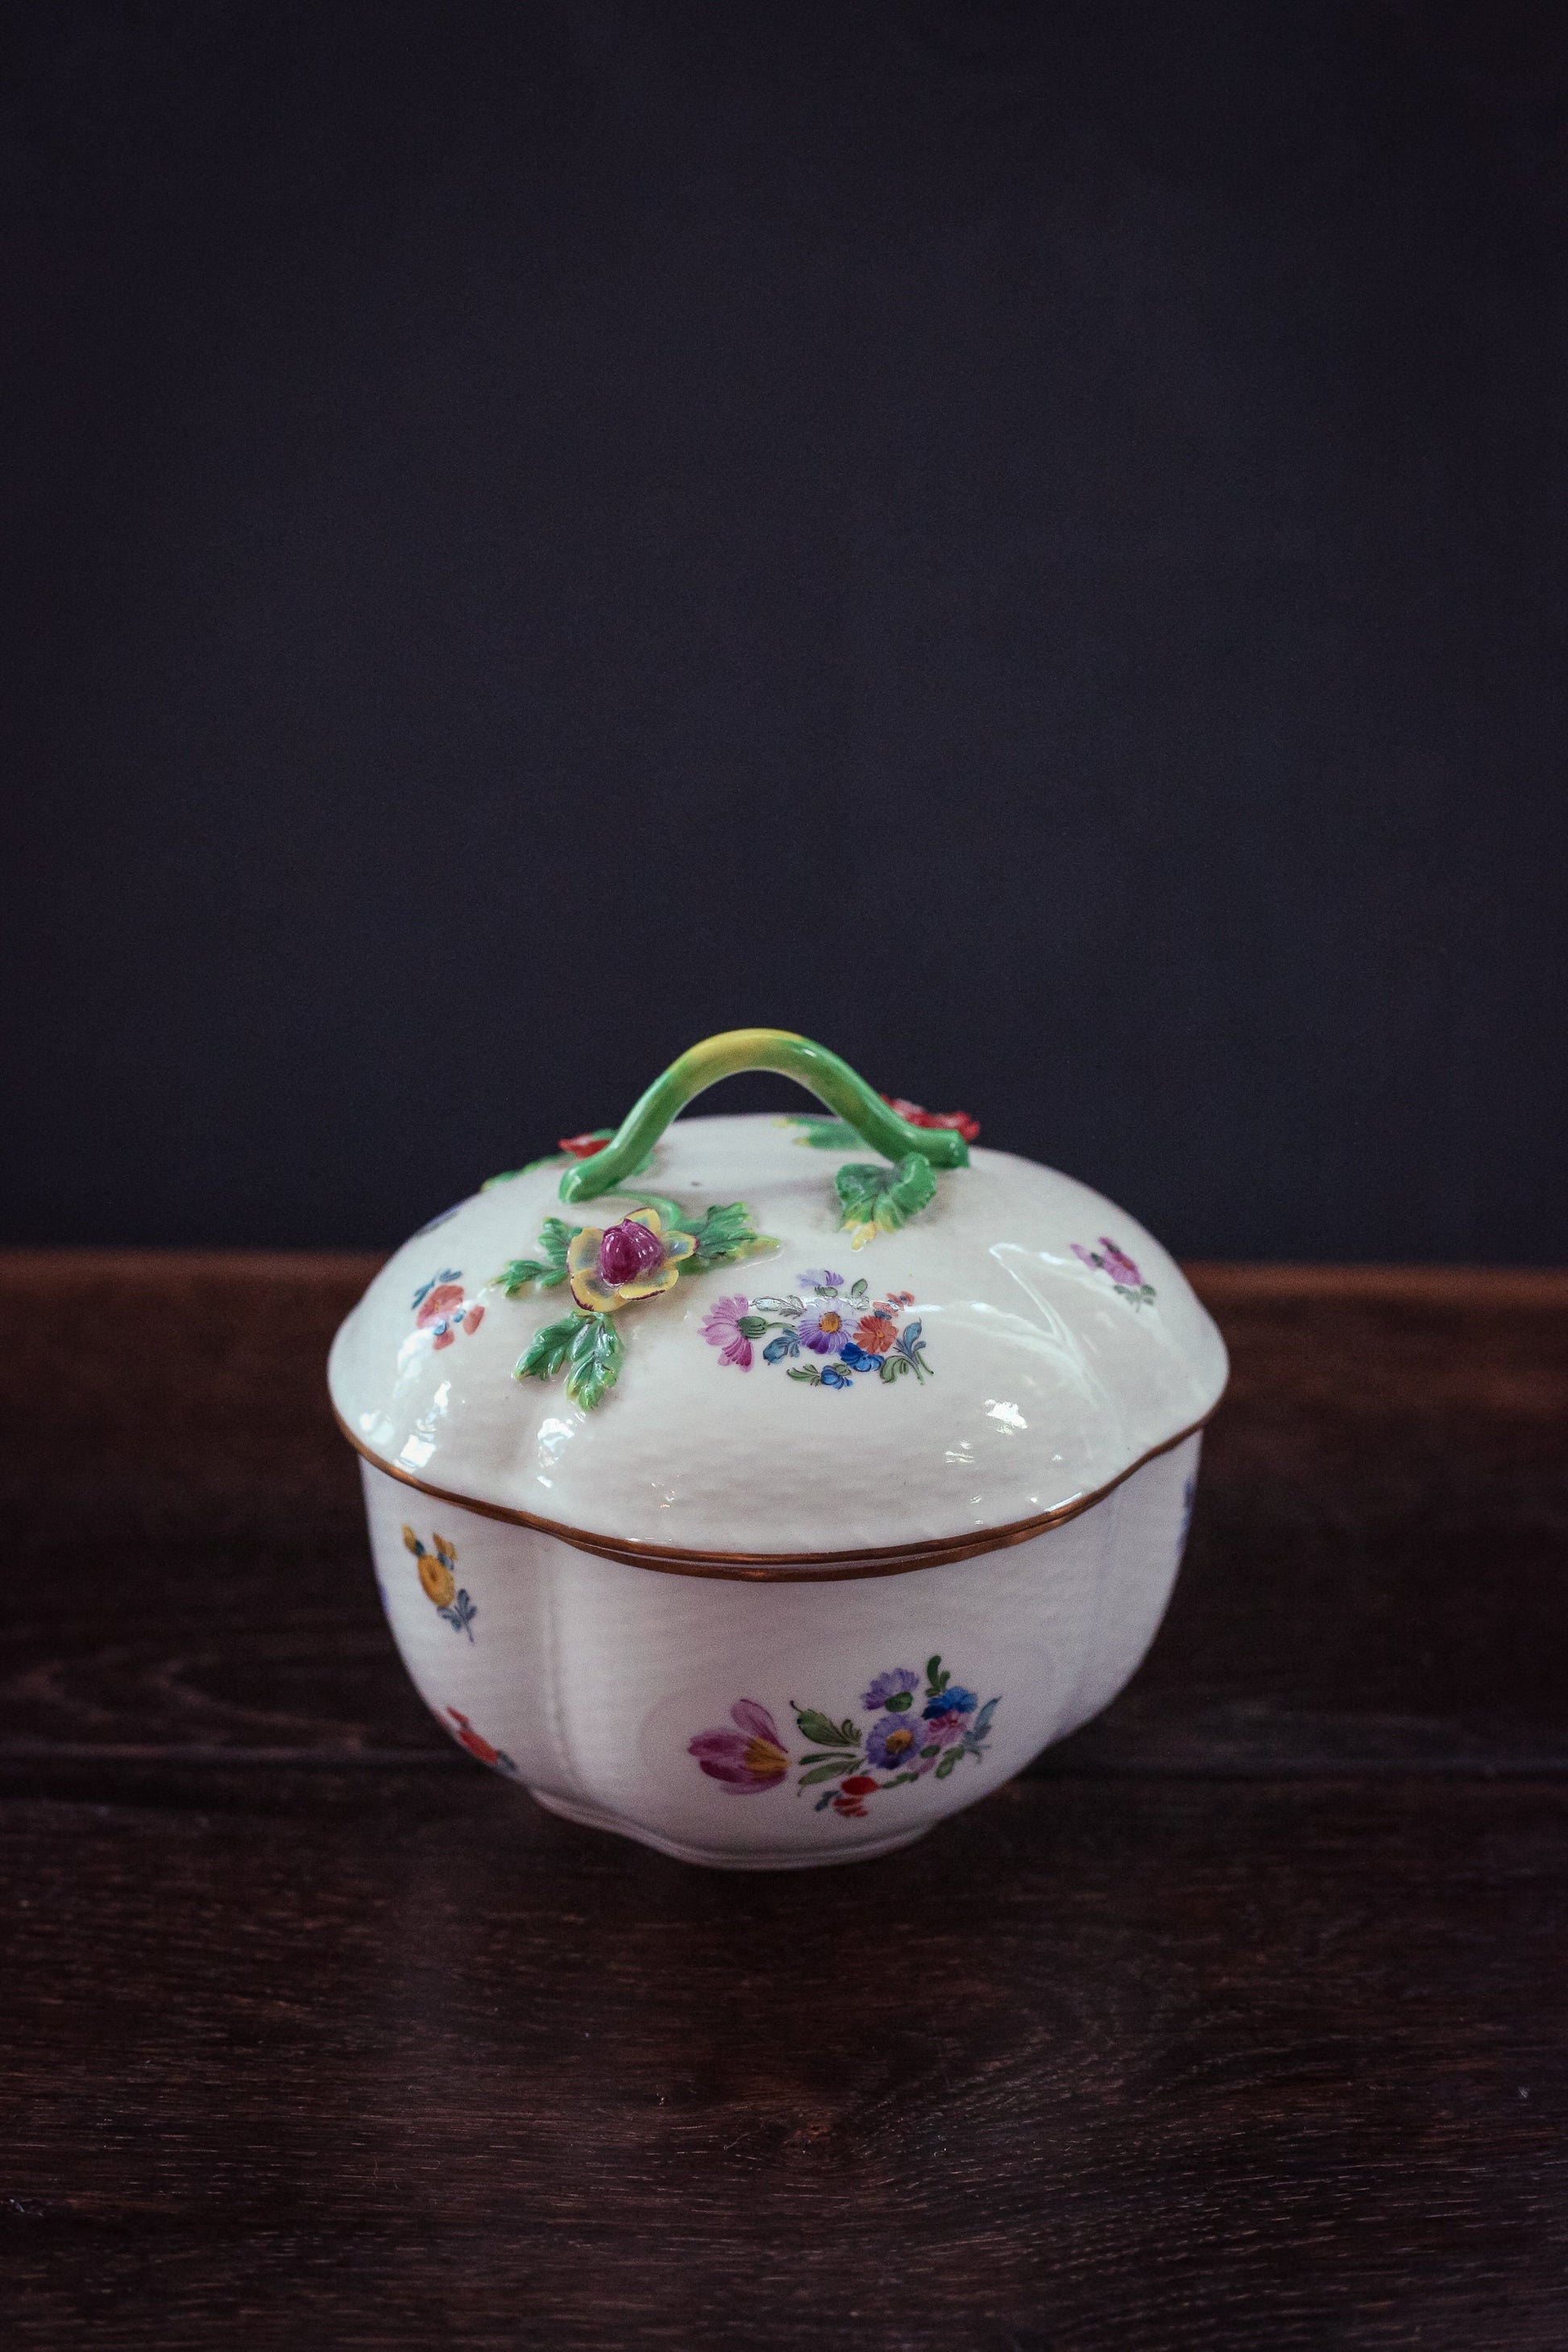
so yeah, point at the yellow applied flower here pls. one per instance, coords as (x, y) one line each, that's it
(613, 1265)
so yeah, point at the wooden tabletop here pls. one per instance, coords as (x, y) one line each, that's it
(1239, 2022)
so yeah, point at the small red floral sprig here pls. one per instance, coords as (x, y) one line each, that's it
(1125, 1277)
(442, 1308)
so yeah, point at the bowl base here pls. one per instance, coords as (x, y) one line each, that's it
(589, 1817)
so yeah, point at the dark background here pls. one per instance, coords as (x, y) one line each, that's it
(1029, 544)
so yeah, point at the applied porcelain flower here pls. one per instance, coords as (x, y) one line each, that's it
(916, 1114)
(611, 1266)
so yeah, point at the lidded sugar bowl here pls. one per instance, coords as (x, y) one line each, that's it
(767, 1489)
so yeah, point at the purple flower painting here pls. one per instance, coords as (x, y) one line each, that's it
(723, 1330)
(747, 1759)
(842, 1760)
(824, 1343)
(892, 1690)
(825, 1328)
(894, 1742)
(1123, 1270)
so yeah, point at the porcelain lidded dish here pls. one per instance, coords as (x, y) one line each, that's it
(768, 1488)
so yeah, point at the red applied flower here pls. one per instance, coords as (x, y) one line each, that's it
(583, 1147)
(918, 1116)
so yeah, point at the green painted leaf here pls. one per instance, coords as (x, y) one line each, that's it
(931, 1751)
(835, 1771)
(873, 1194)
(548, 1349)
(721, 1236)
(933, 1668)
(549, 1269)
(751, 1327)
(948, 1762)
(819, 1757)
(596, 1360)
(806, 1373)
(823, 1732)
(859, 1289)
(900, 1702)
(900, 1779)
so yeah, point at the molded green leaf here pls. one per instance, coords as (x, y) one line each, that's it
(594, 1363)
(723, 1235)
(548, 1349)
(820, 1134)
(873, 1194)
(824, 1734)
(548, 1270)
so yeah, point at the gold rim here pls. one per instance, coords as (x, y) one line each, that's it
(783, 1567)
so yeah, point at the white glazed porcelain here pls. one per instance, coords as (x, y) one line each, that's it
(777, 1597)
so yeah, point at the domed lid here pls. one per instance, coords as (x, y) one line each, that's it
(705, 1347)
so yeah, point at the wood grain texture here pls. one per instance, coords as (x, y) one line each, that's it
(1239, 2025)
(1119, 2066)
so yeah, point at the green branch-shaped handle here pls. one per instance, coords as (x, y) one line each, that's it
(821, 1072)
